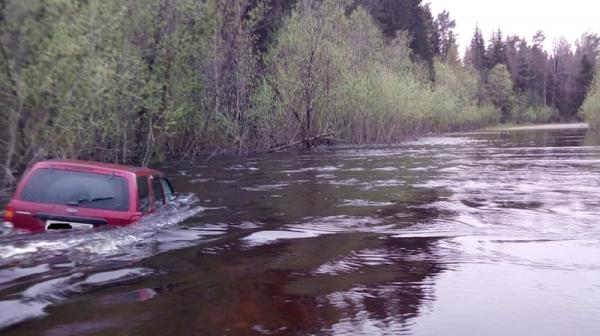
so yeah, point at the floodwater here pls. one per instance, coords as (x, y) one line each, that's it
(490, 233)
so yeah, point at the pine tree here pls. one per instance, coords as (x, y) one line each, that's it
(561, 78)
(477, 56)
(447, 39)
(538, 64)
(588, 52)
(451, 54)
(496, 53)
(511, 52)
(394, 16)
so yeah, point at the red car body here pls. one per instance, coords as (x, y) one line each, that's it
(80, 194)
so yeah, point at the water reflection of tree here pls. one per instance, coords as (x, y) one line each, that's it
(275, 288)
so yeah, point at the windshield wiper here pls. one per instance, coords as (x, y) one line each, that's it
(105, 198)
(87, 200)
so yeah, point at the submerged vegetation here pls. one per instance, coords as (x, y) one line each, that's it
(133, 81)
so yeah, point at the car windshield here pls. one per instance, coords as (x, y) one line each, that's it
(78, 189)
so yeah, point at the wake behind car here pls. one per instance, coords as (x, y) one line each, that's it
(67, 194)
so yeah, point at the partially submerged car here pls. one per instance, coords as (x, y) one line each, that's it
(67, 194)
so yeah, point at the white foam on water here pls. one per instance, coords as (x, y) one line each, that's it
(266, 237)
(386, 169)
(82, 246)
(266, 187)
(309, 169)
(32, 302)
(364, 203)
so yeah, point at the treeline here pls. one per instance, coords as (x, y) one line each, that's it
(132, 81)
(528, 83)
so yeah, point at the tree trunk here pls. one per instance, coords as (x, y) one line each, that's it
(14, 120)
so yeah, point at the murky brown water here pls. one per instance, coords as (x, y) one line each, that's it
(474, 234)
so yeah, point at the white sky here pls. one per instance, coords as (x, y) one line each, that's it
(568, 18)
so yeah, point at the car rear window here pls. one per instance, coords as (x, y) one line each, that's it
(75, 188)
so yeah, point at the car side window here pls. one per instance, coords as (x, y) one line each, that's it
(157, 191)
(143, 193)
(167, 189)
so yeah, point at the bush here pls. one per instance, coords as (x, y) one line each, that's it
(331, 72)
(590, 111)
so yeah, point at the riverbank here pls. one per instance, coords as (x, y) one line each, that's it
(534, 127)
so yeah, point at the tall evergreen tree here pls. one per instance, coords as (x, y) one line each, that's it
(451, 54)
(447, 39)
(587, 53)
(538, 64)
(511, 52)
(412, 16)
(562, 78)
(476, 55)
(523, 67)
(496, 53)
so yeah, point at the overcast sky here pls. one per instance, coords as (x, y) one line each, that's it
(568, 18)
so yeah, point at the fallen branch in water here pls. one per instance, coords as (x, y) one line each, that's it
(299, 142)
(213, 154)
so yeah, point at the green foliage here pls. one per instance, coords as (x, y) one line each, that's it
(525, 112)
(548, 87)
(124, 81)
(499, 90)
(475, 56)
(66, 86)
(535, 115)
(590, 111)
(496, 53)
(333, 72)
(131, 81)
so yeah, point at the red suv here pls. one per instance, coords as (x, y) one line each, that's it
(84, 195)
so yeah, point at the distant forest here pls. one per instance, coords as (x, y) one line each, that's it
(133, 81)
(558, 79)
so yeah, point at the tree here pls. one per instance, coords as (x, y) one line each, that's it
(274, 13)
(447, 39)
(590, 110)
(496, 53)
(394, 16)
(587, 53)
(561, 64)
(475, 56)
(60, 70)
(538, 62)
(499, 90)
(302, 66)
(451, 54)
(512, 51)
(131, 81)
